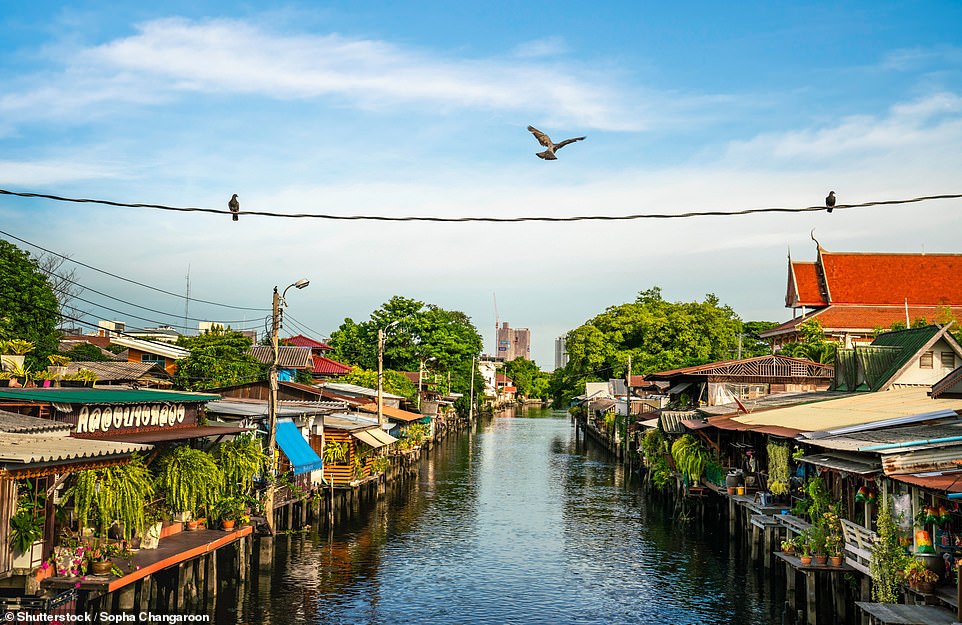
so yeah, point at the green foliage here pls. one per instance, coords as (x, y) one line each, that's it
(530, 381)
(812, 345)
(28, 306)
(417, 331)
(778, 471)
(691, 457)
(217, 358)
(240, 460)
(189, 479)
(752, 344)
(120, 493)
(85, 352)
(380, 464)
(334, 452)
(888, 558)
(658, 335)
(25, 529)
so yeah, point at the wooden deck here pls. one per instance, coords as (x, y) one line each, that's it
(900, 614)
(172, 551)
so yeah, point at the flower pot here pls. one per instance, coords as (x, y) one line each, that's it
(741, 490)
(9, 361)
(101, 568)
(926, 588)
(732, 489)
(192, 525)
(821, 560)
(836, 560)
(228, 525)
(805, 560)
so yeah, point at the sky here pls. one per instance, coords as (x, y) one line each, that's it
(420, 109)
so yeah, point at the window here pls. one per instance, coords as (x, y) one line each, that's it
(948, 360)
(925, 362)
(154, 358)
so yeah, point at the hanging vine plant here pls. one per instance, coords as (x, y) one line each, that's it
(691, 457)
(189, 479)
(778, 472)
(888, 557)
(240, 460)
(119, 493)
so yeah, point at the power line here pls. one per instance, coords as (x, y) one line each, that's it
(328, 216)
(113, 275)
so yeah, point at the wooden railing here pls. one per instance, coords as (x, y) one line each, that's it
(858, 545)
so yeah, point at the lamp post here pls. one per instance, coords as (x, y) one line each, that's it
(272, 400)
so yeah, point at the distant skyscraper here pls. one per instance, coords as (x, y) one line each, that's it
(560, 353)
(513, 343)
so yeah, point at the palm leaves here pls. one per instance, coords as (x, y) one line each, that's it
(691, 457)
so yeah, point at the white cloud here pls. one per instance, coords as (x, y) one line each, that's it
(550, 46)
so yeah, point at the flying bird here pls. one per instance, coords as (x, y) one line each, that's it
(830, 201)
(234, 206)
(545, 140)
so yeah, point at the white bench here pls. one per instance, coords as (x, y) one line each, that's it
(858, 546)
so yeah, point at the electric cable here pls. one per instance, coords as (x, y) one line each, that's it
(328, 216)
(113, 275)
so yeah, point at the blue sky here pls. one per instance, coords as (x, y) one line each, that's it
(421, 108)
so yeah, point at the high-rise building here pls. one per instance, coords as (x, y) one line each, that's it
(513, 343)
(560, 353)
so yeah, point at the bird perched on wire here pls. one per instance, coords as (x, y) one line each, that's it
(830, 201)
(234, 206)
(546, 141)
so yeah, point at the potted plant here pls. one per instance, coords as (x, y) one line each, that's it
(788, 547)
(919, 577)
(190, 481)
(19, 375)
(819, 540)
(229, 509)
(5, 378)
(58, 365)
(803, 544)
(14, 353)
(835, 539)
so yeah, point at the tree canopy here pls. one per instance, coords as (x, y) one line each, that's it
(414, 332)
(28, 307)
(530, 381)
(657, 334)
(217, 358)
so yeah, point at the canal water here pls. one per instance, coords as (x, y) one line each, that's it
(514, 523)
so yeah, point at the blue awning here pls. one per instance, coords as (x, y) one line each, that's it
(302, 457)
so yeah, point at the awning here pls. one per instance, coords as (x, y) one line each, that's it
(302, 457)
(695, 424)
(678, 388)
(651, 423)
(376, 438)
(860, 465)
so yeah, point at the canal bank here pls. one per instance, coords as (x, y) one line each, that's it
(515, 521)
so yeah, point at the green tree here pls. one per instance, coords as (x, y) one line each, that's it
(530, 381)
(217, 358)
(812, 344)
(656, 334)
(414, 332)
(85, 352)
(28, 305)
(752, 344)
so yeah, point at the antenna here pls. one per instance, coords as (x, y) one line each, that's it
(187, 299)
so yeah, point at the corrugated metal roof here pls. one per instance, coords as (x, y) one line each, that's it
(22, 424)
(260, 408)
(326, 366)
(770, 402)
(848, 463)
(115, 371)
(936, 458)
(951, 383)
(102, 395)
(357, 390)
(24, 449)
(152, 347)
(394, 413)
(851, 410)
(671, 420)
(299, 340)
(947, 481)
(348, 421)
(288, 356)
(855, 441)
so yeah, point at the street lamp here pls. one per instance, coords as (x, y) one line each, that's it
(272, 398)
(380, 364)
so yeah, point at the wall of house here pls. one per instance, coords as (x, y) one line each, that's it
(340, 474)
(135, 355)
(8, 506)
(916, 374)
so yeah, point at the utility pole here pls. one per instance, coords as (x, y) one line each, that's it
(380, 376)
(272, 404)
(272, 416)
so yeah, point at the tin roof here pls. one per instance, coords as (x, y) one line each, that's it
(393, 413)
(850, 410)
(22, 424)
(326, 366)
(119, 371)
(878, 366)
(354, 389)
(288, 356)
(152, 347)
(299, 340)
(24, 449)
(102, 395)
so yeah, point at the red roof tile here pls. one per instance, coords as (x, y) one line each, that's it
(849, 317)
(805, 279)
(299, 340)
(326, 366)
(923, 279)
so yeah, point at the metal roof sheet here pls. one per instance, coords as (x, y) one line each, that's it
(152, 347)
(288, 356)
(862, 440)
(23, 449)
(23, 424)
(348, 421)
(923, 460)
(947, 481)
(851, 410)
(102, 395)
(260, 408)
(848, 463)
(340, 387)
(393, 413)
(114, 371)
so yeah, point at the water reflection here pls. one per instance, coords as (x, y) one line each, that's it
(512, 524)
